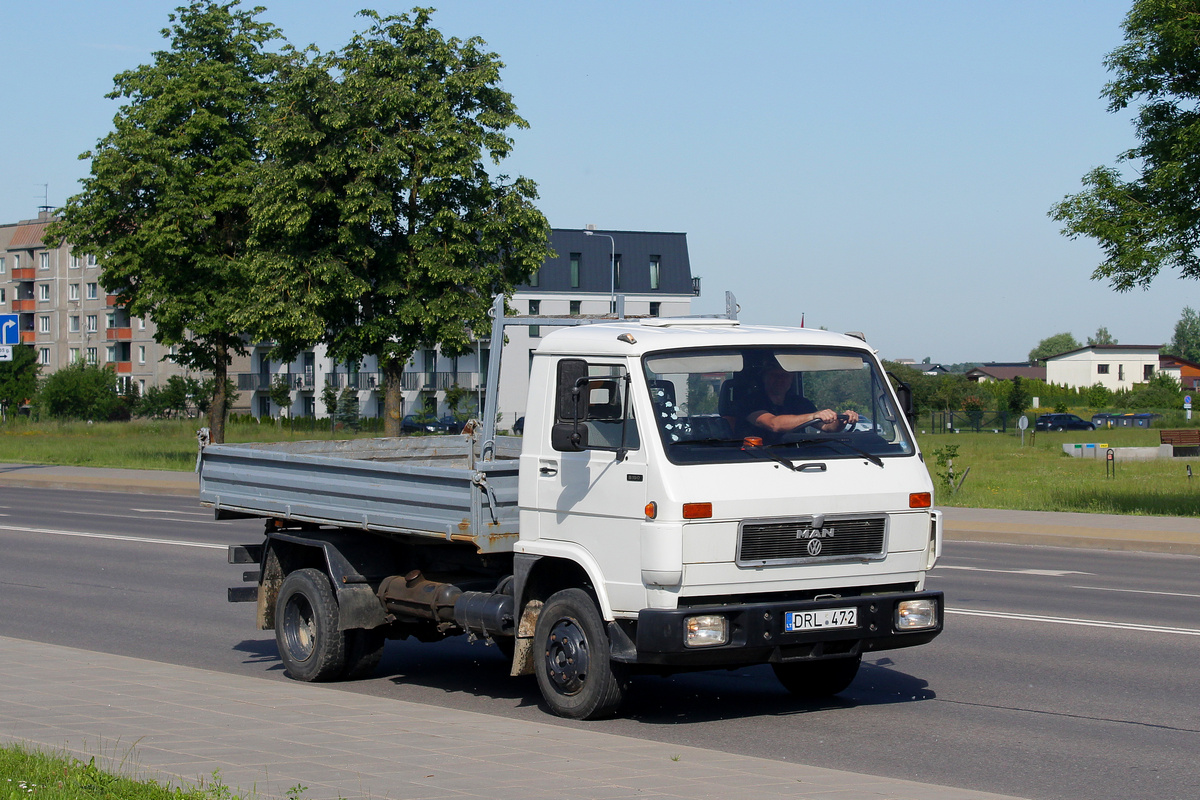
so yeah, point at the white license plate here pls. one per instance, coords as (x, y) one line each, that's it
(819, 620)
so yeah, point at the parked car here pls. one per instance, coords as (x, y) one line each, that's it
(414, 424)
(453, 425)
(1063, 422)
(519, 426)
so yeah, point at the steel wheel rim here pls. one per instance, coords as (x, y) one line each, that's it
(299, 628)
(567, 657)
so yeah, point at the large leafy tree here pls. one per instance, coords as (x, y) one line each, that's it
(166, 206)
(18, 378)
(1185, 342)
(385, 231)
(1147, 216)
(1052, 346)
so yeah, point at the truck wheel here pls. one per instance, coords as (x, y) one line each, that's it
(306, 627)
(571, 658)
(364, 650)
(814, 680)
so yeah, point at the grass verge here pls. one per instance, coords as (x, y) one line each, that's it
(29, 773)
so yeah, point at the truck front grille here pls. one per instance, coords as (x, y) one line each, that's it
(805, 539)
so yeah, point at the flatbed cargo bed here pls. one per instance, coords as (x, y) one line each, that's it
(430, 486)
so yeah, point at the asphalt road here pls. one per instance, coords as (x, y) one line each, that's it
(1063, 673)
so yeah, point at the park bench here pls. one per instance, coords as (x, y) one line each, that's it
(1184, 442)
(1185, 437)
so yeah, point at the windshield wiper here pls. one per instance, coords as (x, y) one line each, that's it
(758, 448)
(844, 442)
(710, 441)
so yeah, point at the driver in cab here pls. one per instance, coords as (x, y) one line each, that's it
(776, 408)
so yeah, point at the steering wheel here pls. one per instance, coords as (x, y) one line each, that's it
(844, 419)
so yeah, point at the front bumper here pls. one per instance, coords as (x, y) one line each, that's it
(757, 635)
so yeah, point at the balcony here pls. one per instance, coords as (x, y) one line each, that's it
(23, 274)
(123, 367)
(696, 287)
(24, 305)
(28, 337)
(110, 300)
(119, 334)
(364, 381)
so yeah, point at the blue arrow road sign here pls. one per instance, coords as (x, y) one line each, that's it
(10, 330)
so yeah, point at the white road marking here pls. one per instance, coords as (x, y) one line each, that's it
(1089, 623)
(207, 514)
(116, 537)
(1044, 573)
(1136, 591)
(164, 519)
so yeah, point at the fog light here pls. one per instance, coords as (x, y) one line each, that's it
(706, 631)
(913, 615)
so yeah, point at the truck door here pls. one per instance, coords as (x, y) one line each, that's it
(592, 487)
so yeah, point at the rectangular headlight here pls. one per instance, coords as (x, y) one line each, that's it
(708, 630)
(915, 615)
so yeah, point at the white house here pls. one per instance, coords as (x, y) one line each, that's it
(1114, 366)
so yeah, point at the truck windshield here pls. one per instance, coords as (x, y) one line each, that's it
(714, 405)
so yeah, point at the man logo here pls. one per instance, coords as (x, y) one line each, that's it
(814, 533)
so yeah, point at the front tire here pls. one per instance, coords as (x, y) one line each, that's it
(816, 680)
(572, 659)
(306, 627)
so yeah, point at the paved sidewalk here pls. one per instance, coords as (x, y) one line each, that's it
(265, 736)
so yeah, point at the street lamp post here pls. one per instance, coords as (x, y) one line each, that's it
(612, 268)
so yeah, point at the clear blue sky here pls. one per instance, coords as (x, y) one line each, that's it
(877, 166)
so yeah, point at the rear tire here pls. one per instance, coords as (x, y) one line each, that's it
(572, 659)
(815, 680)
(306, 627)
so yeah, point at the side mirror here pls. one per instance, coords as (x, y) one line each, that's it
(905, 395)
(569, 437)
(571, 396)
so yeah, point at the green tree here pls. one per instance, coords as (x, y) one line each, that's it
(82, 391)
(1052, 346)
(1019, 396)
(1102, 337)
(18, 378)
(281, 394)
(386, 232)
(1150, 220)
(166, 206)
(1185, 342)
(347, 408)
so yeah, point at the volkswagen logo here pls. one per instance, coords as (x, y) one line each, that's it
(814, 547)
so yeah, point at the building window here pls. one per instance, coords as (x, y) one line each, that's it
(141, 354)
(91, 323)
(16, 261)
(44, 323)
(74, 261)
(533, 279)
(1102, 369)
(43, 261)
(91, 355)
(1147, 371)
(655, 264)
(72, 291)
(576, 305)
(110, 321)
(74, 354)
(73, 324)
(1, 294)
(44, 356)
(91, 261)
(1120, 372)
(655, 309)
(576, 262)
(535, 308)
(141, 324)
(92, 292)
(110, 353)
(43, 292)
(141, 388)
(1, 265)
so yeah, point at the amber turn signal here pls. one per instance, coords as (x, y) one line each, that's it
(920, 500)
(651, 510)
(697, 510)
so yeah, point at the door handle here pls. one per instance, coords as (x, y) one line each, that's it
(548, 471)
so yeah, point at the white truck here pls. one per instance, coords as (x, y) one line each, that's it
(639, 524)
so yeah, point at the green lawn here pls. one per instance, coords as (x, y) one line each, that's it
(1004, 474)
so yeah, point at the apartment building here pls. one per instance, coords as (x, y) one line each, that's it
(66, 316)
(651, 270)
